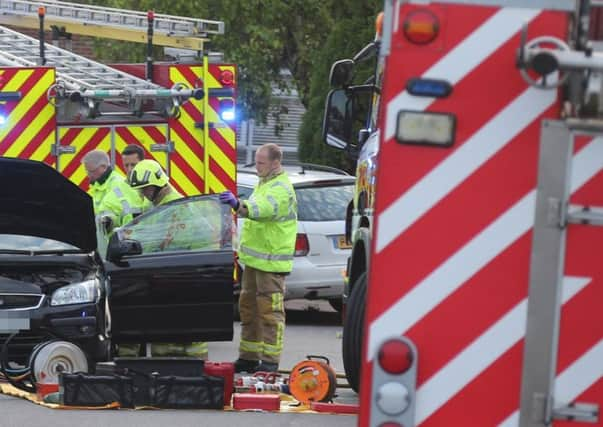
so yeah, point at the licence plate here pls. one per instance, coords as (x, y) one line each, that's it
(13, 321)
(341, 243)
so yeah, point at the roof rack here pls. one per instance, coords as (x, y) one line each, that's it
(304, 167)
(112, 23)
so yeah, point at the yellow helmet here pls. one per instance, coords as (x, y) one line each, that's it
(147, 172)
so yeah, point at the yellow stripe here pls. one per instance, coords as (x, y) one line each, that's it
(80, 142)
(44, 149)
(32, 129)
(144, 139)
(183, 147)
(28, 98)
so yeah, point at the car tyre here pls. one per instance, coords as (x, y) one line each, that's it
(353, 328)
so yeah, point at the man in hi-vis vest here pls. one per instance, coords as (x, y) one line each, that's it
(266, 250)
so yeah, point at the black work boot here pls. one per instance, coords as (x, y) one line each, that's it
(267, 367)
(243, 365)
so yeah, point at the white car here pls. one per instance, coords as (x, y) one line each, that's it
(321, 249)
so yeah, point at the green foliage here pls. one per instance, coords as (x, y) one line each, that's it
(262, 37)
(349, 34)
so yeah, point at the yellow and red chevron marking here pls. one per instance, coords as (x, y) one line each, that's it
(87, 138)
(30, 123)
(450, 260)
(188, 168)
(83, 139)
(145, 136)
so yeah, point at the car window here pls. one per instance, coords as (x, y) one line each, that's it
(199, 223)
(325, 203)
(31, 243)
(244, 192)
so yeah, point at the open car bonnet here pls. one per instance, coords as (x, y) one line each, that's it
(38, 201)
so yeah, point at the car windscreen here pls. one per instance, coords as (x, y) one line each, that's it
(199, 223)
(323, 203)
(17, 242)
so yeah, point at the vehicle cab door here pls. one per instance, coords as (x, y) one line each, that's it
(171, 274)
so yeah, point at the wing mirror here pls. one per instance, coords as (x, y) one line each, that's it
(342, 73)
(117, 248)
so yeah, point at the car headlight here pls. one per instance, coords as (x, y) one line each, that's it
(76, 293)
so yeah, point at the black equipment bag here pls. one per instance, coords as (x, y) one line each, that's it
(81, 389)
(204, 392)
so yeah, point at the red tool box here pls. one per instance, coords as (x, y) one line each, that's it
(335, 408)
(224, 370)
(266, 402)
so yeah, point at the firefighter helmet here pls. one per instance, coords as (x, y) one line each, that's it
(147, 172)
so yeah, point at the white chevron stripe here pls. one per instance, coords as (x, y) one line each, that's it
(477, 253)
(445, 177)
(573, 381)
(480, 354)
(464, 58)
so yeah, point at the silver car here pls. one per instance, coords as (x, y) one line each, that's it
(321, 250)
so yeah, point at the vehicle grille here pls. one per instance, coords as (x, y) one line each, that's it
(20, 347)
(12, 301)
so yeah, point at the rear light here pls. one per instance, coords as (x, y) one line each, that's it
(421, 26)
(395, 357)
(394, 383)
(302, 247)
(425, 128)
(226, 78)
(393, 398)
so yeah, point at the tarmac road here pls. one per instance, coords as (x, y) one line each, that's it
(313, 328)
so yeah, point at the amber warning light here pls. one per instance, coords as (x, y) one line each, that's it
(421, 26)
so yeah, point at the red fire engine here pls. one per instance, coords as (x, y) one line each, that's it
(58, 105)
(481, 255)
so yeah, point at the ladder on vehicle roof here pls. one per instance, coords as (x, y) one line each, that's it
(107, 22)
(81, 79)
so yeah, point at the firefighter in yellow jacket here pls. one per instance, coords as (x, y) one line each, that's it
(115, 203)
(266, 249)
(149, 178)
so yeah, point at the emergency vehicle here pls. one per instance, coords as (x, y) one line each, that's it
(481, 259)
(56, 105)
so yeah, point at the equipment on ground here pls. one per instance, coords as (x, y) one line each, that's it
(313, 380)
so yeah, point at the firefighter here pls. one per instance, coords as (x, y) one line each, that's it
(266, 249)
(130, 156)
(153, 183)
(115, 203)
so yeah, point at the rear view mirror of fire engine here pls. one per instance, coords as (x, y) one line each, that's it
(342, 73)
(346, 113)
(425, 128)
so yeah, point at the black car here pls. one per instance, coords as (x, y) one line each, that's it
(165, 277)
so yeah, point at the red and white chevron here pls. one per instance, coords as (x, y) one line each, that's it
(452, 237)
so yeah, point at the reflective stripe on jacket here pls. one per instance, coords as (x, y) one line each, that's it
(269, 232)
(116, 199)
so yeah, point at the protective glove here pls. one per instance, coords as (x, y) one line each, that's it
(107, 223)
(229, 199)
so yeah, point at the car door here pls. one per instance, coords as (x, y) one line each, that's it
(180, 287)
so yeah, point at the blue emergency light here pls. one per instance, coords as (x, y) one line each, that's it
(227, 109)
(429, 87)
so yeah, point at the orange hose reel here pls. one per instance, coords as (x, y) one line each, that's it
(313, 380)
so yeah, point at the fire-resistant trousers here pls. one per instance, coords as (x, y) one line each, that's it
(194, 349)
(262, 315)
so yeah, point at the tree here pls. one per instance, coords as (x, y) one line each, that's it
(349, 34)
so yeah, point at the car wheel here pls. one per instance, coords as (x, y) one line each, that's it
(337, 304)
(353, 327)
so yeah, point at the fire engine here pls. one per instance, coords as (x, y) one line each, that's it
(56, 105)
(476, 220)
